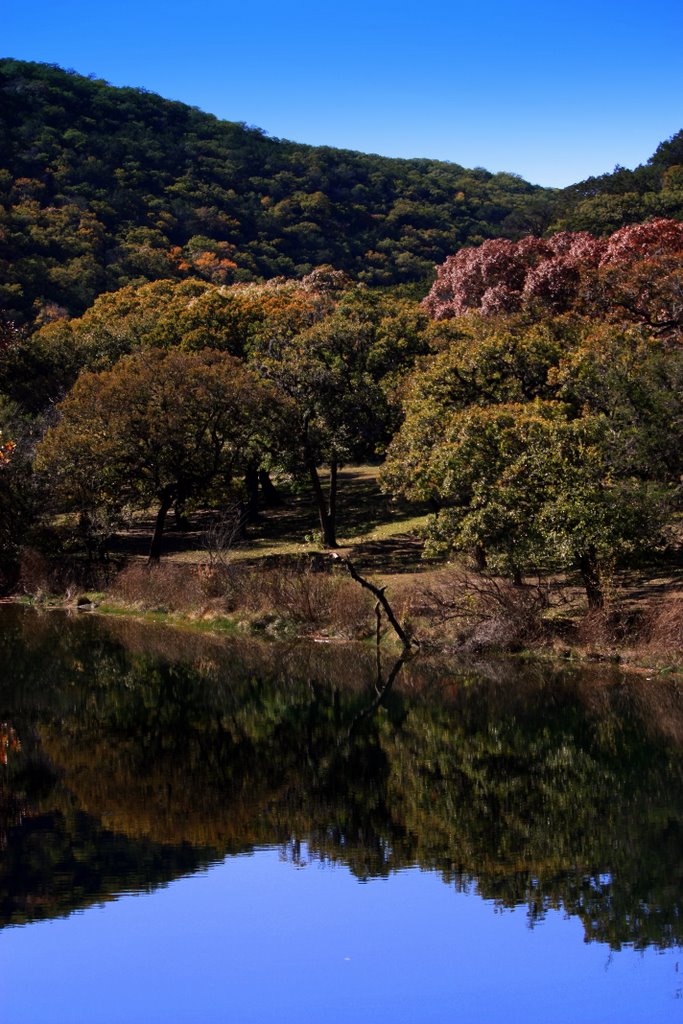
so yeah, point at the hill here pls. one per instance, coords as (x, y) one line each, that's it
(103, 186)
(605, 203)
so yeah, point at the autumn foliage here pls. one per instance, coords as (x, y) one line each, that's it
(6, 451)
(634, 274)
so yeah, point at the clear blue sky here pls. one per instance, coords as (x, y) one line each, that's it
(551, 91)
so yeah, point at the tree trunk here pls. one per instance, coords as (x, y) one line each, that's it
(269, 491)
(155, 547)
(327, 524)
(332, 503)
(251, 481)
(479, 556)
(590, 574)
(378, 593)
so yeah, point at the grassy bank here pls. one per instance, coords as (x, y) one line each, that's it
(278, 582)
(445, 609)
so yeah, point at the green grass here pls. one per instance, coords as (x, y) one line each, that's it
(219, 624)
(411, 524)
(366, 519)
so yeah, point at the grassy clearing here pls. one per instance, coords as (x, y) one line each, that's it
(218, 624)
(366, 518)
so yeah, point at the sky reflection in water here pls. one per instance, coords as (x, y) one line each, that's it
(257, 940)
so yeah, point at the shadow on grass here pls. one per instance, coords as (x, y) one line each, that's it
(362, 509)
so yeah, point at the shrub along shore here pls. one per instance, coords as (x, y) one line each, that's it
(446, 609)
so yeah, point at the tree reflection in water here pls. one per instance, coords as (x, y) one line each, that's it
(147, 754)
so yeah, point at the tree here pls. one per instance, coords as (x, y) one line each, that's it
(552, 446)
(333, 398)
(635, 380)
(633, 275)
(337, 375)
(18, 496)
(532, 487)
(158, 427)
(192, 315)
(103, 187)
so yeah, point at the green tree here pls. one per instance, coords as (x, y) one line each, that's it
(158, 428)
(333, 399)
(338, 375)
(18, 493)
(104, 187)
(162, 314)
(535, 455)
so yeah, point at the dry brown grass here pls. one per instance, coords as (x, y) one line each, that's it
(41, 577)
(35, 575)
(451, 608)
(605, 629)
(322, 600)
(475, 611)
(272, 598)
(655, 625)
(164, 588)
(664, 627)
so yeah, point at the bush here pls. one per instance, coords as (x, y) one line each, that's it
(312, 599)
(477, 611)
(323, 600)
(160, 587)
(658, 628)
(664, 627)
(40, 576)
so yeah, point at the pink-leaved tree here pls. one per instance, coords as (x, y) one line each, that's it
(635, 274)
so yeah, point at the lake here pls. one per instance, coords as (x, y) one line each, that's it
(194, 829)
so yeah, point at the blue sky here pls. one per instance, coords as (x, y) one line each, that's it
(553, 92)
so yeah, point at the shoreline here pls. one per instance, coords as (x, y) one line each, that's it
(273, 629)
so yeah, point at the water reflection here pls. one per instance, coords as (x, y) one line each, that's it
(135, 755)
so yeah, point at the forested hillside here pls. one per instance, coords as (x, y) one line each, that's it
(606, 203)
(101, 187)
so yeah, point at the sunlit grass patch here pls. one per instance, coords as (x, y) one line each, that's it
(411, 525)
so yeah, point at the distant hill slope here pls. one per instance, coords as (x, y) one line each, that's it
(101, 187)
(611, 201)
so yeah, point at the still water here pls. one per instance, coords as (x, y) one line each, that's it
(194, 830)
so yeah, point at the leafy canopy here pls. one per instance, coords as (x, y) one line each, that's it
(157, 428)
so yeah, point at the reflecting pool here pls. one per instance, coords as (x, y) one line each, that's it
(204, 830)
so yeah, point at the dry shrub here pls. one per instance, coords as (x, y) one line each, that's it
(658, 627)
(64, 575)
(664, 627)
(298, 594)
(226, 587)
(9, 575)
(160, 587)
(321, 600)
(601, 628)
(35, 573)
(349, 609)
(476, 611)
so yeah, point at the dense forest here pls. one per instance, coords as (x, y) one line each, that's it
(190, 306)
(102, 187)
(108, 186)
